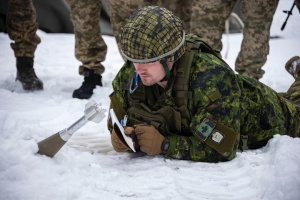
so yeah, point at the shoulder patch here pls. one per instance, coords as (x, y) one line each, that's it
(205, 129)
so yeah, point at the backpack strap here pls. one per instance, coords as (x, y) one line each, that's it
(181, 84)
(182, 73)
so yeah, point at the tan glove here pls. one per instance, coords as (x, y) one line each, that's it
(149, 139)
(117, 143)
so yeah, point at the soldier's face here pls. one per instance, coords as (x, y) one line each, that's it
(151, 73)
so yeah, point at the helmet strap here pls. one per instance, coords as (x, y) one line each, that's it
(167, 70)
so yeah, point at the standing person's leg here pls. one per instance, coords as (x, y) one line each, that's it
(22, 26)
(208, 20)
(90, 47)
(118, 18)
(152, 3)
(257, 16)
(183, 10)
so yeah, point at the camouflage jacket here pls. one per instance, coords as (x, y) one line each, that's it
(223, 107)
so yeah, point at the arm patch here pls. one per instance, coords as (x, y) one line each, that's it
(205, 129)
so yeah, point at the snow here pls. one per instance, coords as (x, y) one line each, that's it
(88, 168)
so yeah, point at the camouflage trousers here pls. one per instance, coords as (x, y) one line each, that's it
(208, 21)
(181, 9)
(90, 47)
(119, 17)
(290, 103)
(22, 26)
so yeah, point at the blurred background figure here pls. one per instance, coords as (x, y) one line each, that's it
(21, 24)
(118, 18)
(181, 9)
(87, 20)
(207, 18)
(90, 48)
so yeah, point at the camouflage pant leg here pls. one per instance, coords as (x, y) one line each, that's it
(181, 9)
(208, 20)
(22, 26)
(90, 47)
(119, 17)
(291, 108)
(293, 94)
(257, 17)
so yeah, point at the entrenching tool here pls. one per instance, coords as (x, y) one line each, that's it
(51, 145)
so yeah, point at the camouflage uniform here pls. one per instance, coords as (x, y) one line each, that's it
(90, 47)
(243, 104)
(22, 26)
(117, 18)
(208, 19)
(221, 111)
(181, 9)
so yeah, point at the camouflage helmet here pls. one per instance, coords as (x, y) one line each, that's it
(153, 33)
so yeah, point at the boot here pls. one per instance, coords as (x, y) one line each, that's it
(26, 74)
(293, 67)
(91, 80)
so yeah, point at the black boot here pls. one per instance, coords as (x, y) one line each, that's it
(91, 80)
(26, 74)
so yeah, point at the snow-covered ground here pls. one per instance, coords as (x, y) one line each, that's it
(87, 167)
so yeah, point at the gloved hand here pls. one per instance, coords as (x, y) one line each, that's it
(149, 139)
(117, 143)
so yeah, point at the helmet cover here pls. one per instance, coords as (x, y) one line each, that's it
(153, 33)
